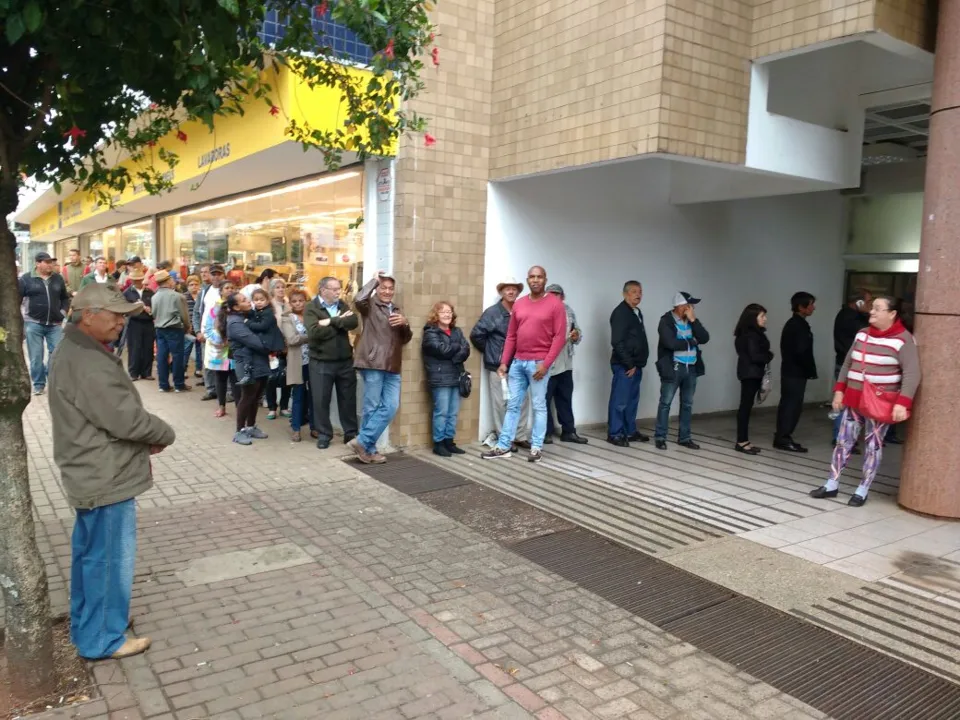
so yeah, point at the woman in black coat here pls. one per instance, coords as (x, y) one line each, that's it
(753, 356)
(251, 361)
(444, 350)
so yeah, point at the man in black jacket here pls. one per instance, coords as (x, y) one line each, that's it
(329, 321)
(631, 350)
(140, 331)
(45, 299)
(797, 365)
(852, 318)
(679, 364)
(488, 336)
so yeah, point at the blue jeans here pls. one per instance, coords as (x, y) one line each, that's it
(446, 407)
(520, 379)
(301, 403)
(101, 577)
(624, 402)
(194, 347)
(381, 400)
(685, 380)
(36, 334)
(170, 345)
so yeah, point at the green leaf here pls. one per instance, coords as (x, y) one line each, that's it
(15, 28)
(32, 15)
(230, 6)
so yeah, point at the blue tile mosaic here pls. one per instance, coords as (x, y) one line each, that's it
(344, 42)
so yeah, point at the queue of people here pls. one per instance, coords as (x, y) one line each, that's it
(264, 343)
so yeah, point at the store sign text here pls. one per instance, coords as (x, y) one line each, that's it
(218, 153)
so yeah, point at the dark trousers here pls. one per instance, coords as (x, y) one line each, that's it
(278, 381)
(247, 407)
(170, 353)
(140, 336)
(560, 393)
(748, 396)
(792, 391)
(325, 377)
(220, 380)
(624, 402)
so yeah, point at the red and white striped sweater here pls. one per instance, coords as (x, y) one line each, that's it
(888, 359)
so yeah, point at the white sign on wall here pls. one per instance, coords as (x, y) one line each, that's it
(384, 184)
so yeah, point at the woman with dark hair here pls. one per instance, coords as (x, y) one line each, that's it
(251, 357)
(875, 390)
(216, 357)
(444, 349)
(262, 283)
(753, 357)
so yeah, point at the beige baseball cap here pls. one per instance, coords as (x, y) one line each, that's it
(104, 297)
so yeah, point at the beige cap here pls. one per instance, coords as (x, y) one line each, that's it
(104, 297)
(509, 281)
(161, 277)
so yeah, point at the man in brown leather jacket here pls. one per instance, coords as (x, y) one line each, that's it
(378, 358)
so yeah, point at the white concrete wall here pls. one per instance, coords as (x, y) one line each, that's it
(595, 228)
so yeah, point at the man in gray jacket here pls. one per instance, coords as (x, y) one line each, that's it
(560, 386)
(102, 442)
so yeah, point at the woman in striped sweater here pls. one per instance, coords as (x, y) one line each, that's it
(885, 356)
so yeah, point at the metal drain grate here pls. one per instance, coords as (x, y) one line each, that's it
(411, 476)
(840, 677)
(829, 672)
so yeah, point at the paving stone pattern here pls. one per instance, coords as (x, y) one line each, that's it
(404, 613)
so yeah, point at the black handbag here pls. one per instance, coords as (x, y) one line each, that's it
(466, 384)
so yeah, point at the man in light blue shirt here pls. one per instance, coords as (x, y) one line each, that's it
(679, 363)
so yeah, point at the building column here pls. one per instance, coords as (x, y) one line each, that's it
(930, 481)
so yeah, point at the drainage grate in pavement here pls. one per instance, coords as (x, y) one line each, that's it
(411, 476)
(492, 514)
(829, 672)
(840, 677)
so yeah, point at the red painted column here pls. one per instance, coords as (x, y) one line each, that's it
(930, 481)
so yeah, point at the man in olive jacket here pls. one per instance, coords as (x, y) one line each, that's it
(329, 321)
(102, 442)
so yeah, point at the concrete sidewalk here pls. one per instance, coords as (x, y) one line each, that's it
(278, 581)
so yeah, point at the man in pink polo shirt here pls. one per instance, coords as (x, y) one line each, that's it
(536, 335)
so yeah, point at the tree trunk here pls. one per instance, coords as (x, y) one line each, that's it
(23, 578)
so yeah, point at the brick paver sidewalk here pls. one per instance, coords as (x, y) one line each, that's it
(385, 608)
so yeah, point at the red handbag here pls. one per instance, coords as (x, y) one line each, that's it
(875, 404)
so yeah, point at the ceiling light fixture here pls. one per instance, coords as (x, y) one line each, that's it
(314, 216)
(325, 180)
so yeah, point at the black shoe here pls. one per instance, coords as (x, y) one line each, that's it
(548, 440)
(748, 450)
(165, 390)
(661, 444)
(209, 396)
(821, 492)
(525, 444)
(451, 446)
(618, 441)
(535, 456)
(790, 447)
(639, 437)
(440, 449)
(323, 443)
(856, 501)
(689, 445)
(573, 438)
(348, 437)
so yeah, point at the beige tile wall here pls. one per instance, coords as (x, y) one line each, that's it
(441, 202)
(782, 25)
(706, 79)
(905, 20)
(575, 82)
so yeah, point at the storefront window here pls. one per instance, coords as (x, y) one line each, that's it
(301, 230)
(120, 243)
